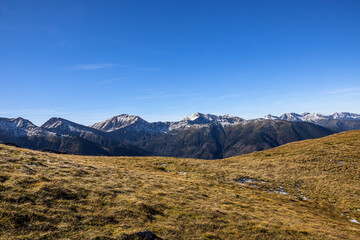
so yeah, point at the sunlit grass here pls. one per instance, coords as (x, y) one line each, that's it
(303, 190)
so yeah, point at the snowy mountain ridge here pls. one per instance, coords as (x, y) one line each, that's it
(117, 122)
(63, 126)
(55, 125)
(20, 127)
(139, 124)
(314, 117)
(198, 135)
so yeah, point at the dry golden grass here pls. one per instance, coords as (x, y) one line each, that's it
(49, 196)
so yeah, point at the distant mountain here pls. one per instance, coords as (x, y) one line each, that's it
(65, 127)
(16, 128)
(63, 136)
(311, 117)
(199, 135)
(342, 121)
(200, 118)
(208, 136)
(136, 123)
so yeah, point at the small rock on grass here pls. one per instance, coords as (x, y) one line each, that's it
(145, 235)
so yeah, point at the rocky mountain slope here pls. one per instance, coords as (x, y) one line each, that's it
(212, 140)
(61, 135)
(196, 136)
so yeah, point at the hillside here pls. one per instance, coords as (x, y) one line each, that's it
(303, 190)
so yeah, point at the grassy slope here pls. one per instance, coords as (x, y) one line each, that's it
(51, 196)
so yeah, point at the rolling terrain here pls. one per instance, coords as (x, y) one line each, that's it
(302, 190)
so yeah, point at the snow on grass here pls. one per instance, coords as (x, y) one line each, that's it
(354, 221)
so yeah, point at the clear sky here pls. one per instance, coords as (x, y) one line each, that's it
(163, 60)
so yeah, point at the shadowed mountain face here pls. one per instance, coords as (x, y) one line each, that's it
(260, 135)
(339, 125)
(213, 140)
(199, 135)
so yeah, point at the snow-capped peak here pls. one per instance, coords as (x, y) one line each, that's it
(22, 123)
(64, 126)
(271, 117)
(193, 116)
(20, 127)
(199, 118)
(212, 118)
(291, 117)
(311, 117)
(56, 122)
(117, 122)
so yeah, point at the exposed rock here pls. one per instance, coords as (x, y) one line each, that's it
(145, 235)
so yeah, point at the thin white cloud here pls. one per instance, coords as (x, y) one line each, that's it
(228, 96)
(94, 66)
(148, 68)
(342, 90)
(166, 96)
(111, 80)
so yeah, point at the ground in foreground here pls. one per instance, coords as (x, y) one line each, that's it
(303, 190)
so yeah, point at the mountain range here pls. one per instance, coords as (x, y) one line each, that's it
(342, 121)
(199, 135)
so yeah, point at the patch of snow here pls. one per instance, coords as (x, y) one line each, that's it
(354, 221)
(245, 180)
(281, 191)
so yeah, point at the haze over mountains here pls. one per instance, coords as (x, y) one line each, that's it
(199, 135)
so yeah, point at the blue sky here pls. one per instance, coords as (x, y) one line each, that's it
(163, 60)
